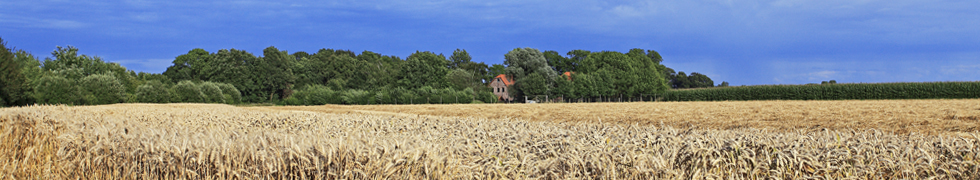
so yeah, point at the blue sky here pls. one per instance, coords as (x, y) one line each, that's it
(742, 42)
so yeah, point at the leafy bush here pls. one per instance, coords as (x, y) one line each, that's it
(187, 91)
(152, 92)
(403, 96)
(212, 93)
(315, 95)
(486, 96)
(356, 96)
(103, 89)
(231, 94)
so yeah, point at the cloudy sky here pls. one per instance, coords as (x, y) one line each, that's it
(742, 42)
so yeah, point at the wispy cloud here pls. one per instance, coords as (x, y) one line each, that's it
(145, 65)
(29, 22)
(742, 42)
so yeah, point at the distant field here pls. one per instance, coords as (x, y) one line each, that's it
(897, 116)
(714, 140)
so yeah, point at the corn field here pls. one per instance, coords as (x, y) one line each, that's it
(199, 141)
(916, 90)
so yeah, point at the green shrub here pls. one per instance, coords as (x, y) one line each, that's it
(152, 92)
(404, 96)
(187, 91)
(231, 94)
(356, 96)
(103, 89)
(212, 93)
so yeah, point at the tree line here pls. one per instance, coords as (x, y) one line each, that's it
(330, 76)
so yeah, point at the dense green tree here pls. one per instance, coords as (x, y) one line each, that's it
(300, 55)
(53, 89)
(559, 62)
(646, 79)
(522, 62)
(12, 80)
(699, 80)
(565, 87)
(67, 62)
(459, 59)
(695, 80)
(655, 56)
(461, 79)
(493, 71)
(424, 69)
(102, 89)
(237, 67)
(631, 74)
(577, 56)
(315, 69)
(534, 84)
(585, 85)
(462, 60)
(275, 74)
(680, 81)
(723, 84)
(670, 74)
(197, 64)
(379, 71)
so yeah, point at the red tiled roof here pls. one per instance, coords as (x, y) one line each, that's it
(505, 80)
(568, 75)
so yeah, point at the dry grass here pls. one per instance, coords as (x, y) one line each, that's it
(190, 141)
(893, 116)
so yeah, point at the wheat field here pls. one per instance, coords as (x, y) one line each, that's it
(893, 116)
(206, 141)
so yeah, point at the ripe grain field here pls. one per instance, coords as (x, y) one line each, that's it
(893, 116)
(205, 141)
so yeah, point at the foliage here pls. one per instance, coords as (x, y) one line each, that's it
(12, 80)
(212, 93)
(524, 62)
(606, 74)
(424, 69)
(931, 90)
(73, 66)
(231, 94)
(534, 84)
(153, 92)
(236, 76)
(57, 90)
(102, 89)
(187, 91)
(695, 80)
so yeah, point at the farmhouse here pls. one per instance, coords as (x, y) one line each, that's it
(500, 84)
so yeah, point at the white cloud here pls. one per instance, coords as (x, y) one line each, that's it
(961, 69)
(146, 65)
(42, 23)
(826, 74)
